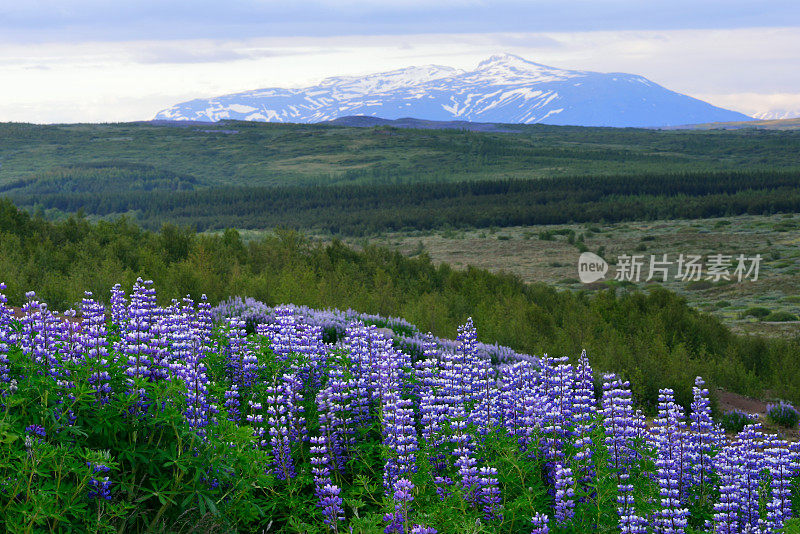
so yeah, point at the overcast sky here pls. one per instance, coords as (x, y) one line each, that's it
(107, 60)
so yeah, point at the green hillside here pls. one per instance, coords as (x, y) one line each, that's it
(257, 175)
(245, 153)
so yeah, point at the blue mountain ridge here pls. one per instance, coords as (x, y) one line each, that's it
(502, 89)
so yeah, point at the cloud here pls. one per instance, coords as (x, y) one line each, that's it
(56, 20)
(527, 40)
(172, 54)
(759, 105)
(176, 53)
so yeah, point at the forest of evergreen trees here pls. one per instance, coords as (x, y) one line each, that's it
(367, 208)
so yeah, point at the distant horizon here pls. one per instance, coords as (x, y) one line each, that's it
(91, 61)
(155, 118)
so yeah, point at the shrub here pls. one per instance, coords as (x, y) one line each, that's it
(783, 414)
(699, 285)
(734, 421)
(756, 312)
(780, 316)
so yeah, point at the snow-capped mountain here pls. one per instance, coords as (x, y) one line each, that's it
(502, 89)
(777, 114)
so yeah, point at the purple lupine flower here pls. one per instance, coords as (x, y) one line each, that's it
(532, 416)
(443, 484)
(235, 367)
(489, 493)
(331, 504)
(189, 349)
(364, 345)
(119, 307)
(95, 342)
(256, 419)
(99, 485)
(480, 384)
(205, 320)
(233, 402)
(749, 445)
(162, 330)
(631, 523)
(704, 437)
(671, 463)
(327, 493)
(283, 333)
(618, 422)
(293, 397)
(398, 428)
(70, 347)
(434, 404)
(420, 529)
(398, 519)
(332, 403)
(740, 465)
(36, 430)
(463, 450)
(511, 383)
(556, 410)
(469, 362)
(583, 410)
(37, 336)
(321, 463)
(621, 428)
(485, 414)
(783, 414)
(137, 337)
(539, 522)
(237, 345)
(427, 371)
(726, 509)
(197, 404)
(64, 354)
(467, 467)
(278, 429)
(6, 339)
(779, 505)
(564, 508)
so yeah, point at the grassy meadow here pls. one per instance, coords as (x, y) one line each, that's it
(544, 253)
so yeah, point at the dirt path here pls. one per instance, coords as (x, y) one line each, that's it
(734, 401)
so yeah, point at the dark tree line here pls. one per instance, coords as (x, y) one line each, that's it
(366, 208)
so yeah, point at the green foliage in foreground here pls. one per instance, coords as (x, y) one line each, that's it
(164, 478)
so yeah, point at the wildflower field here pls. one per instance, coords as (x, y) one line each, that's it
(133, 417)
